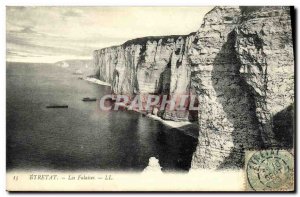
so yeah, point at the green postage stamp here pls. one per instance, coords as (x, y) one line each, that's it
(269, 170)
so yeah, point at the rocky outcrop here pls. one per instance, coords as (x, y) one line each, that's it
(242, 72)
(265, 49)
(150, 65)
(240, 64)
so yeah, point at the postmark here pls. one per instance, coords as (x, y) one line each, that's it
(269, 170)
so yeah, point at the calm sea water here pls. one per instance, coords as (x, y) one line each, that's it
(80, 137)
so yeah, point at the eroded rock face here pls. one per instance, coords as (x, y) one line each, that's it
(265, 48)
(242, 72)
(240, 65)
(153, 65)
(226, 107)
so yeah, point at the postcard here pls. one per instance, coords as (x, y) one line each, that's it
(135, 99)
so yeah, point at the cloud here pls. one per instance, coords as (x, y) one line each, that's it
(71, 13)
(27, 30)
(39, 44)
(77, 31)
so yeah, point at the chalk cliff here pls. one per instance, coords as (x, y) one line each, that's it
(150, 65)
(242, 72)
(240, 64)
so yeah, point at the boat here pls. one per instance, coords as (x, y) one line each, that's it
(89, 99)
(57, 106)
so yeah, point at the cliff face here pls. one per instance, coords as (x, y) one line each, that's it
(265, 48)
(151, 65)
(240, 65)
(243, 75)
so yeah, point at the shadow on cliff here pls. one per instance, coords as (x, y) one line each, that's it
(283, 127)
(163, 84)
(238, 102)
(176, 147)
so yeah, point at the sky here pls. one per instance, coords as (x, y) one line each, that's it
(51, 34)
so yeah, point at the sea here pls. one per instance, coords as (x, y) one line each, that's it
(81, 137)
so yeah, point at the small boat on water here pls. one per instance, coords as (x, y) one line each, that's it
(89, 99)
(57, 106)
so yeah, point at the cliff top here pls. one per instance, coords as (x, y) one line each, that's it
(144, 40)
